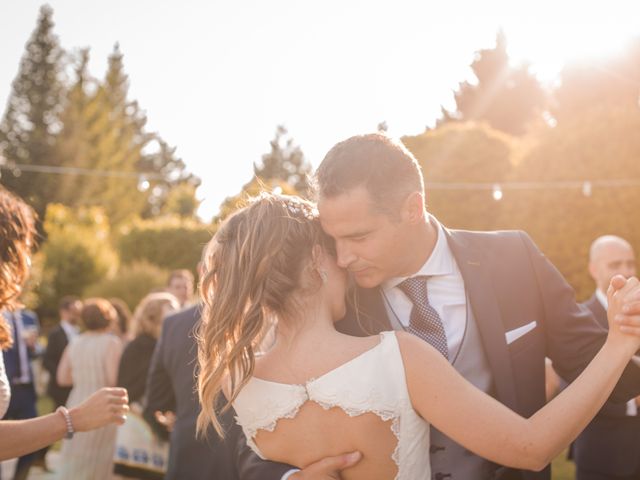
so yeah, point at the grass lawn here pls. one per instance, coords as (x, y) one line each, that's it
(562, 468)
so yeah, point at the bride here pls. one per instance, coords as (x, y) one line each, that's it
(317, 392)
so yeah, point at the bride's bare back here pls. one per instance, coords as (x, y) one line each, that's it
(315, 433)
(361, 404)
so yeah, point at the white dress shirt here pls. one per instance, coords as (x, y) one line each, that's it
(70, 330)
(445, 288)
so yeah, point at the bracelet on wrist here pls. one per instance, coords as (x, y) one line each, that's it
(67, 421)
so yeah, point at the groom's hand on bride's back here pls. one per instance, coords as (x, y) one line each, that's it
(328, 468)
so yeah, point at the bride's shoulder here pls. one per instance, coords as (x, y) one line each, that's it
(411, 345)
(406, 339)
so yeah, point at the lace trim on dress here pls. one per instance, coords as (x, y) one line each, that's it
(273, 413)
(269, 424)
(251, 432)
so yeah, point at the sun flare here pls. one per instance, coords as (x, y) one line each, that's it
(571, 31)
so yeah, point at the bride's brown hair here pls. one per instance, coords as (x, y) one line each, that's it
(252, 267)
(17, 233)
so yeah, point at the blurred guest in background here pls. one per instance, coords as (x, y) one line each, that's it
(69, 311)
(136, 358)
(123, 329)
(172, 405)
(17, 359)
(609, 448)
(180, 284)
(89, 363)
(132, 375)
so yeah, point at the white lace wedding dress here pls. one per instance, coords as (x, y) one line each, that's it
(373, 382)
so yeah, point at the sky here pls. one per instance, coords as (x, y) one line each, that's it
(215, 78)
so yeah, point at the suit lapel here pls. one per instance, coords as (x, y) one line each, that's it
(486, 311)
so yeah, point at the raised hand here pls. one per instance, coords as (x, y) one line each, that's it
(107, 405)
(166, 419)
(624, 312)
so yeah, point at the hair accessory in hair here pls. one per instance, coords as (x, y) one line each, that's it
(301, 209)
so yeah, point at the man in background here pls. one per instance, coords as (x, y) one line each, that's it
(69, 310)
(172, 405)
(180, 284)
(17, 360)
(609, 448)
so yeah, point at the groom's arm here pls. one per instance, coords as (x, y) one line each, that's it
(572, 335)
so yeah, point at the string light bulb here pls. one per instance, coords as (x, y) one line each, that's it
(497, 192)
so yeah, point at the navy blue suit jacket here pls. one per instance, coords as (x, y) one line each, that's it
(56, 343)
(29, 319)
(510, 284)
(610, 444)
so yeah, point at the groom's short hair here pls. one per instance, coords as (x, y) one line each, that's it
(384, 166)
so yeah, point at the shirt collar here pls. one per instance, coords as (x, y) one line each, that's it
(68, 328)
(440, 262)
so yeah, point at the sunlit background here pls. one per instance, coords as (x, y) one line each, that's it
(216, 78)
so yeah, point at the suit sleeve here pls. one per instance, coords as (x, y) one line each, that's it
(614, 410)
(53, 352)
(160, 396)
(132, 372)
(572, 335)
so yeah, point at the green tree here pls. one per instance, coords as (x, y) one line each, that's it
(168, 173)
(75, 144)
(587, 174)
(76, 254)
(117, 147)
(31, 121)
(284, 162)
(182, 201)
(461, 162)
(168, 242)
(132, 171)
(507, 98)
(131, 283)
(251, 189)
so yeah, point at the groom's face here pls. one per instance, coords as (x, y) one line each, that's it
(370, 245)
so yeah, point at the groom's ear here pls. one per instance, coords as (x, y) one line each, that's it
(413, 208)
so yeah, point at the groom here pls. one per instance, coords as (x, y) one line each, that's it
(496, 305)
